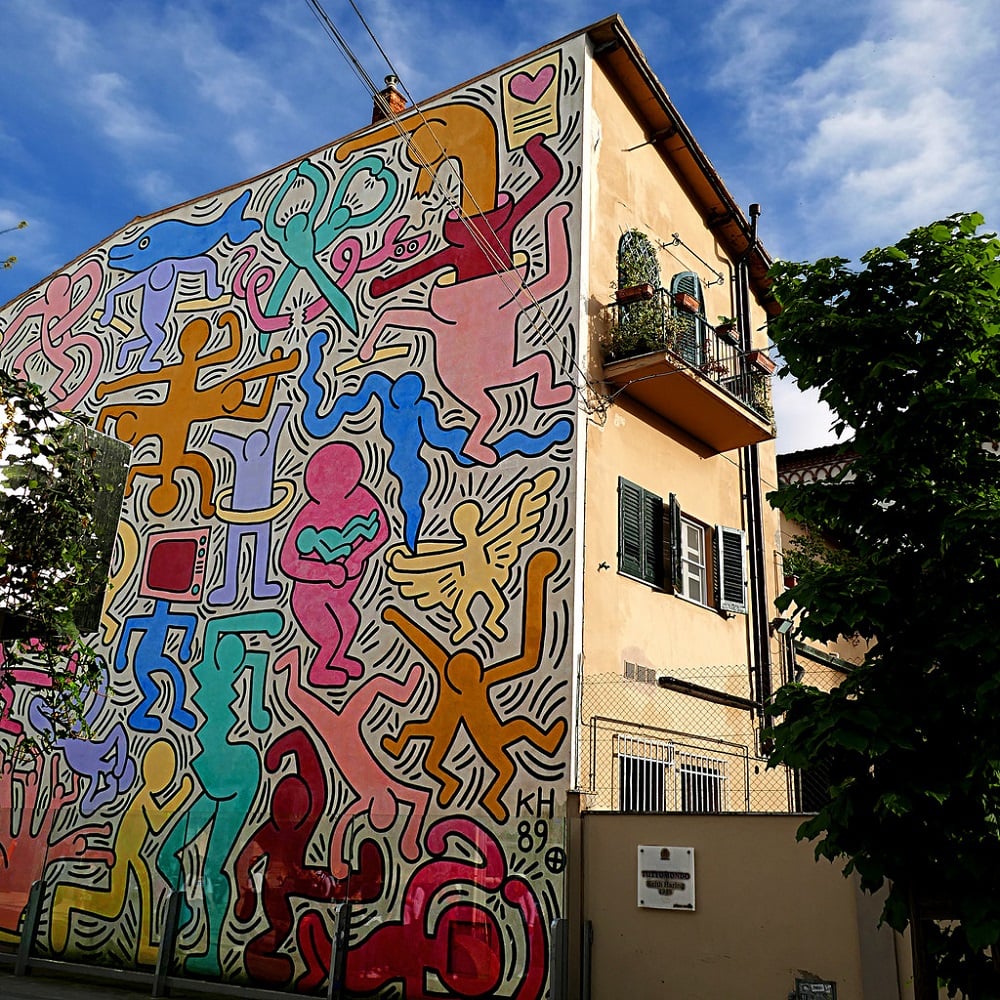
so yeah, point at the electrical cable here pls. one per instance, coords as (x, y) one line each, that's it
(541, 322)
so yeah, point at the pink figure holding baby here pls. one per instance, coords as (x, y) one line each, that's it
(325, 553)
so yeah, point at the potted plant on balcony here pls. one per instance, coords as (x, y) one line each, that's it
(728, 328)
(686, 303)
(642, 327)
(640, 322)
(760, 395)
(634, 293)
(762, 361)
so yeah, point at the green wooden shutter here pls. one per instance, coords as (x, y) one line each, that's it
(690, 345)
(730, 570)
(640, 533)
(652, 538)
(676, 576)
(629, 528)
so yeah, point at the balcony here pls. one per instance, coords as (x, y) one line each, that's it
(689, 372)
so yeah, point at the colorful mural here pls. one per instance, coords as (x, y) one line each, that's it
(337, 644)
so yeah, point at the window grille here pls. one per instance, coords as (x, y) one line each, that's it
(642, 773)
(702, 783)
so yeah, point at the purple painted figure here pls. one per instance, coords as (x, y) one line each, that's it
(251, 507)
(105, 766)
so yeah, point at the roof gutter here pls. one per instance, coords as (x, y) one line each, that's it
(617, 52)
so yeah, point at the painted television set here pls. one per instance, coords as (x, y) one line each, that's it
(175, 564)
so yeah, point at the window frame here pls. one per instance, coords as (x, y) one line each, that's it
(690, 524)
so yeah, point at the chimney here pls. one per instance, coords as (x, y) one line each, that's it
(389, 101)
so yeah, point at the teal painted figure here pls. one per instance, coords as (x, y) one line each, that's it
(230, 773)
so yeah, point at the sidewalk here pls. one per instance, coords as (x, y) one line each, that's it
(46, 987)
(43, 985)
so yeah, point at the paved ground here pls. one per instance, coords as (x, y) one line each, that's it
(43, 984)
(38, 987)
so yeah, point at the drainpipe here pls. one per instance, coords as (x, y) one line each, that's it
(760, 650)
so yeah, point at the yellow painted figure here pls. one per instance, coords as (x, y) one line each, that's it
(453, 574)
(145, 815)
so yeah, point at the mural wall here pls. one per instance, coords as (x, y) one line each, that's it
(337, 645)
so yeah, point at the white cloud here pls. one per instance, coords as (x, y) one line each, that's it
(887, 130)
(803, 421)
(118, 116)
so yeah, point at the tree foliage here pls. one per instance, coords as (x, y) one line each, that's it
(906, 352)
(47, 567)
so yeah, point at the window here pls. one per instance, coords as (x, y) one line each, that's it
(694, 568)
(697, 555)
(703, 783)
(642, 773)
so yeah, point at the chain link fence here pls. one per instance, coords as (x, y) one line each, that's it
(693, 747)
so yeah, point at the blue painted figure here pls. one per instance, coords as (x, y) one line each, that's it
(409, 422)
(150, 658)
(156, 259)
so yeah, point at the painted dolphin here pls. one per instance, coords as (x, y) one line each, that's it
(173, 239)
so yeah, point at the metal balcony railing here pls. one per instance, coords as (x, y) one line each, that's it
(651, 323)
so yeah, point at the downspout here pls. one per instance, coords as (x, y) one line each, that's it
(760, 648)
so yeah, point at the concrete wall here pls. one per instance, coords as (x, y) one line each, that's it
(766, 913)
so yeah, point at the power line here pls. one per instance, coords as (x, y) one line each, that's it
(538, 318)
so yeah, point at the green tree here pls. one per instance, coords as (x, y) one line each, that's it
(49, 576)
(906, 352)
(9, 262)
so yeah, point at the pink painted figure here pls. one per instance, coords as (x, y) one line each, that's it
(66, 300)
(379, 794)
(24, 845)
(475, 306)
(35, 677)
(325, 553)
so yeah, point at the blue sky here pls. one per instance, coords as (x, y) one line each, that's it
(850, 123)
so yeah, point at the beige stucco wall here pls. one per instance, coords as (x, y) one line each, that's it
(850, 649)
(634, 186)
(766, 913)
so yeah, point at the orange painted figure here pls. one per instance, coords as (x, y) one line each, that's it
(461, 132)
(145, 815)
(170, 420)
(464, 698)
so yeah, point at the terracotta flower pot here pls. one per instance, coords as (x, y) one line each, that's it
(635, 293)
(763, 361)
(687, 303)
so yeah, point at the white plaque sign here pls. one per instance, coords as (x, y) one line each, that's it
(666, 877)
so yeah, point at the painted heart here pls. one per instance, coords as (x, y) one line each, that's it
(526, 87)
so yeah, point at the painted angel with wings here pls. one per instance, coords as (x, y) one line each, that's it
(453, 573)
